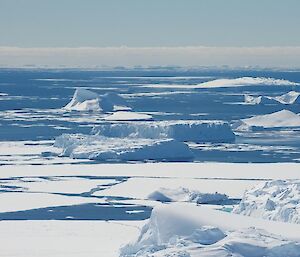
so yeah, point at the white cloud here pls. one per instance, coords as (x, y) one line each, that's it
(288, 57)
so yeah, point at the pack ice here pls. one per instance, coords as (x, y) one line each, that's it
(273, 200)
(186, 230)
(283, 118)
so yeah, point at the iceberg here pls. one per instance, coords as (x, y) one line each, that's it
(283, 118)
(273, 200)
(86, 100)
(94, 147)
(291, 97)
(181, 229)
(184, 131)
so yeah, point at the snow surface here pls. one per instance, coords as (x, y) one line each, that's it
(101, 148)
(189, 130)
(283, 118)
(272, 200)
(187, 230)
(185, 195)
(128, 115)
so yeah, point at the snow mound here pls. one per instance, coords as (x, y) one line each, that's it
(291, 97)
(275, 200)
(84, 100)
(194, 131)
(94, 147)
(189, 230)
(246, 81)
(185, 195)
(126, 116)
(283, 118)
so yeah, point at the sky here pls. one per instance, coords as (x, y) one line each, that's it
(51, 32)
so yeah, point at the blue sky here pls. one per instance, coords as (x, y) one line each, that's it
(150, 32)
(98, 23)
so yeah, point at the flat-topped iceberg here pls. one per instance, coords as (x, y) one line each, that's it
(87, 100)
(185, 195)
(94, 147)
(273, 200)
(188, 230)
(291, 97)
(128, 115)
(283, 118)
(189, 130)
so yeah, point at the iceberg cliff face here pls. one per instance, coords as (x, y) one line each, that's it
(190, 130)
(274, 200)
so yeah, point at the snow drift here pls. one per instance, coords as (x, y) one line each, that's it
(189, 230)
(86, 100)
(291, 97)
(191, 130)
(274, 200)
(185, 195)
(94, 147)
(279, 119)
(246, 81)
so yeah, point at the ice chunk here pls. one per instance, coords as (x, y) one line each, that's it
(260, 100)
(191, 130)
(100, 148)
(274, 200)
(279, 119)
(113, 102)
(185, 195)
(291, 97)
(126, 115)
(189, 230)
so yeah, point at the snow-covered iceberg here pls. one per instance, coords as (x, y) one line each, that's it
(246, 81)
(128, 115)
(291, 97)
(94, 147)
(87, 100)
(189, 130)
(185, 195)
(273, 200)
(187, 230)
(283, 118)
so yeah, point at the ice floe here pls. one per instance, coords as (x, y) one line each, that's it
(291, 97)
(187, 230)
(283, 118)
(101, 148)
(128, 115)
(185, 195)
(273, 200)
(188, 130)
